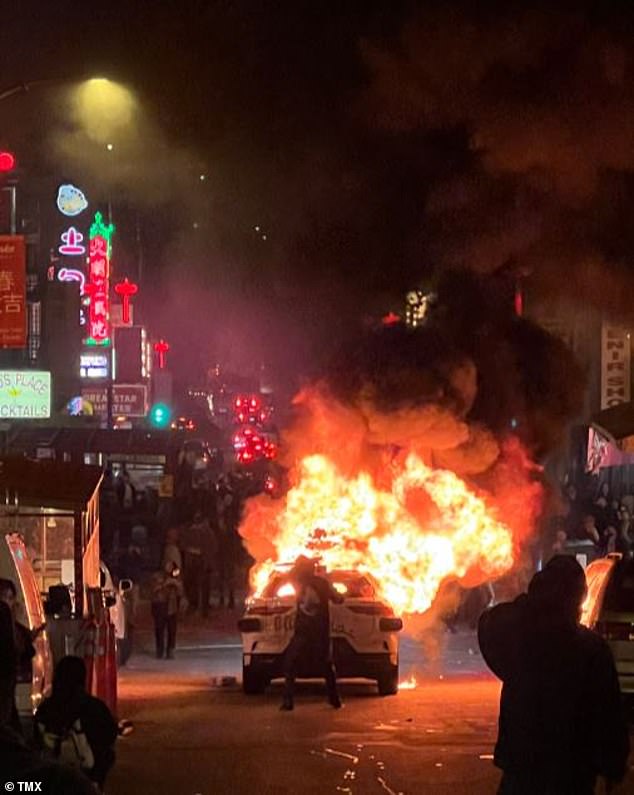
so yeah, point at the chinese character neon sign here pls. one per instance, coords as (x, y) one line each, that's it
(71, 200)
(72, 243)
(72, 275)
(99, 282)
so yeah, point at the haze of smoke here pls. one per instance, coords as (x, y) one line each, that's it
(144, 167)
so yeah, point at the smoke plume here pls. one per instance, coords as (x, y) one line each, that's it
(475, 391)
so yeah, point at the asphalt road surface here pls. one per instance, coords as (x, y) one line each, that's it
(194, 735)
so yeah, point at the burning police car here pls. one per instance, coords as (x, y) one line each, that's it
(363, 630)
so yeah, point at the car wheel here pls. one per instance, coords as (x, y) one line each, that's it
(253, 681)
(388, 681)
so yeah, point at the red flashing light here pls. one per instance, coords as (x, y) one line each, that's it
(7, 161)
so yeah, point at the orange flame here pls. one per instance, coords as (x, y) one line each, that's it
(410, 534)
(408, 684)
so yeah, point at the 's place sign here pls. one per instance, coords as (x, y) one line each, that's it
(25, 394)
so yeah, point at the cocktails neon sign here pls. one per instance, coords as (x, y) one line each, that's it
(98, 286)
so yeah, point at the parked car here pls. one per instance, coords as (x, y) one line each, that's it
(609, 610)
(115, 597)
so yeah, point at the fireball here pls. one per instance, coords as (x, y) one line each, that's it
(419, 527)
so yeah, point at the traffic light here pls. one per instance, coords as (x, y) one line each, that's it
(7, 162)
(160, 415)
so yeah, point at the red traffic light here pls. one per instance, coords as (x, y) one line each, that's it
(7, 161)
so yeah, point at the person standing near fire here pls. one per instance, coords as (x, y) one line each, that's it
(311, 639)
(22, 650)
(561, 723)
(167, 593)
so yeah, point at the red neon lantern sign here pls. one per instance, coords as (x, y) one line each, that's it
(126, 289)
(99, 282)
(161, 347)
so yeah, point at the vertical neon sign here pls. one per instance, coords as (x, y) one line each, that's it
(98, 287)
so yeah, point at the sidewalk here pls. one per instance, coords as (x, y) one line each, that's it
(220, 627)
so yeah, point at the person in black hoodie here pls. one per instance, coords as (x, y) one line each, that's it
(310, 644)
(21, 763)
(70, 703)
(561, 722)
(16, 651)
(8, 665)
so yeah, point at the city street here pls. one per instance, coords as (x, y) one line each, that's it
(193, 736)
(316, 318)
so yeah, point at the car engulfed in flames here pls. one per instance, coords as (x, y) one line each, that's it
(363, 629)
(410, 529)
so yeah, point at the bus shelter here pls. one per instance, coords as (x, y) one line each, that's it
(55, 507)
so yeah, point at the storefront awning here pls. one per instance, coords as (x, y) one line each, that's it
(48, 484)
(616, 422)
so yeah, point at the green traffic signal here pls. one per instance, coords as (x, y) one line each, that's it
(160, 415)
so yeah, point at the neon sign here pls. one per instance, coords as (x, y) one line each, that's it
(72, 243)
(126, 289)
(99, 282)
(72, 275)
(70, 200)
(161, 347)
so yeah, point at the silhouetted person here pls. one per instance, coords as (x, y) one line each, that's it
(70, 707)
(167, 592)
(19, 762)
(8, 666)
(228, 543)
(311, 639)
(22, 650)
(561, 723)
(195, 546)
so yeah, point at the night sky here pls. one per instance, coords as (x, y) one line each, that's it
(374, 144)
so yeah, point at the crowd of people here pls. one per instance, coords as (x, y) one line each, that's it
(600, 517)
(200, 564)
(70, 745)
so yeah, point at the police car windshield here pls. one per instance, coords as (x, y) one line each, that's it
(349, 584)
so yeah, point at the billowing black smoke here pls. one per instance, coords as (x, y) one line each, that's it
(474, 358)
